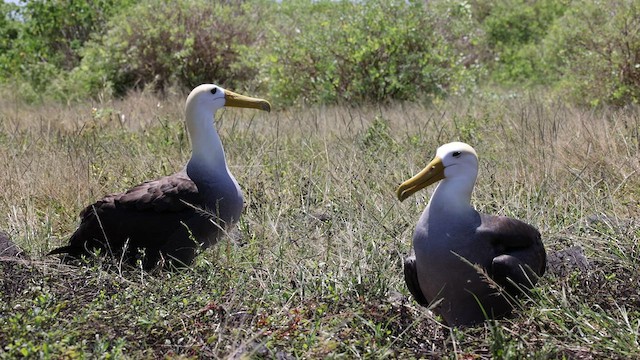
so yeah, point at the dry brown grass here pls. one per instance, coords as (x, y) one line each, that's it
(315, 267)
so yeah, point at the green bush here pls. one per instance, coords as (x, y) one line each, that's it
(513, 29)
(345, 51)
(57, 29)
(324, 51)
(158, 43)
(45, 37)
(10, 28)
(596, 52)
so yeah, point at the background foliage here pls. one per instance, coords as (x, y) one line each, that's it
(157, 43)
(47, 37)
(597, 52)
(513, 31)
(324, 52)
(301, 51)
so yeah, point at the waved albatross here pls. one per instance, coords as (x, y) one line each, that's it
(173, 217)
(451, 236)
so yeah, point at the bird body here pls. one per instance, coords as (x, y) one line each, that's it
(461, 255)
(174, 217)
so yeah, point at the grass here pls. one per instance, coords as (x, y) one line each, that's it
(314, 267)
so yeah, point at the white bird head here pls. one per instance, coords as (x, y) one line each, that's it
(201, 106)
(212, 97)
(453, 161)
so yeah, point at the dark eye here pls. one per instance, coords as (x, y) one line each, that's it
(457, 154)
(214, 90)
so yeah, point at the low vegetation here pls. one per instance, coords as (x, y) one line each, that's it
(322, 52)
(314, 267)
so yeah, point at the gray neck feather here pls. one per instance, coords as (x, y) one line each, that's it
(207, 154)
(453, 195)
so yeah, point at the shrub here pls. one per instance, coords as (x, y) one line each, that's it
(513, 30)
(158, 43)
(10, 27)
(45, 37)
(345, 51)
(596, 51)
(57, 29)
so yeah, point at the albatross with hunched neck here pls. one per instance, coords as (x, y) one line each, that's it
(459, 254)
(174, 217)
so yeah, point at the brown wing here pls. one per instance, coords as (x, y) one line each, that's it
(148, 216)
(411, 279)
(170, 193)
(519, 252)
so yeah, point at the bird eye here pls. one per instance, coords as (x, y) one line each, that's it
(214, 90)
(457, 154)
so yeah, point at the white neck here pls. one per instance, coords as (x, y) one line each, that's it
(453, 195)
(206, 147)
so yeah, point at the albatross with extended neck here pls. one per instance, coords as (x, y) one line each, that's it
(461, 255)
(176, 216)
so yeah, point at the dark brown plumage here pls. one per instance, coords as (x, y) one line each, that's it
(161, 218)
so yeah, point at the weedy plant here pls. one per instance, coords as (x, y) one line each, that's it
(314, 267)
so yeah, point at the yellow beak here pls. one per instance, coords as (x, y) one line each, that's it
(236, 100)
(432, 173)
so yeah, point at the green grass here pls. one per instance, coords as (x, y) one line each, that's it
(314, 267)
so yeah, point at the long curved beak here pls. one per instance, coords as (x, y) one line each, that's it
(236, 100)
(432, 173)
